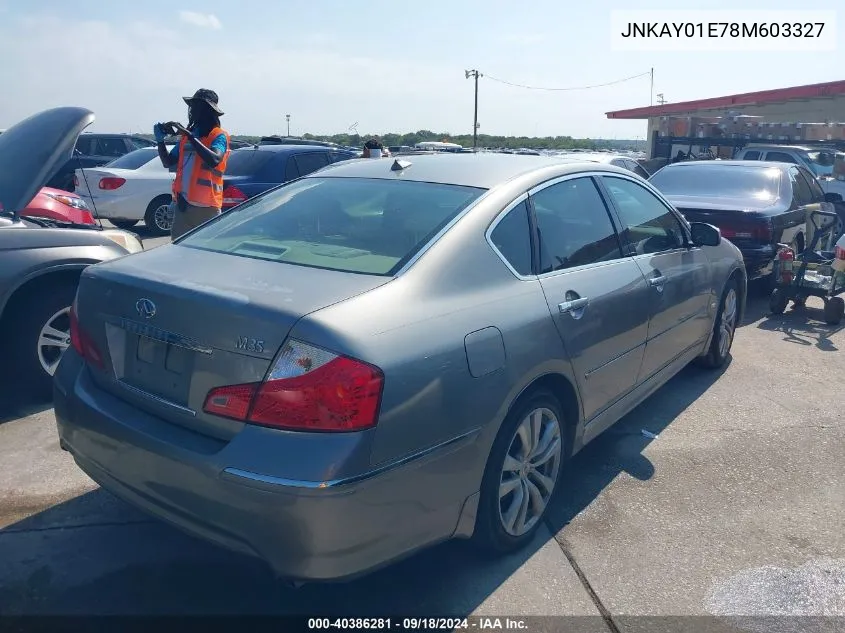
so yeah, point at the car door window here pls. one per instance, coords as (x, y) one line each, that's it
(311, 162)
(111, 147)
(801, 193)
(85, 146)
(512, 238)
(648, 225)
(780, 157)
(573, 225)
(642, 173)
(752, 155)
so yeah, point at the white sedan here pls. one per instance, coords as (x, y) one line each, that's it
(129, 189)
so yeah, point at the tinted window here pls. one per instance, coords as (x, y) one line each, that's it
(512, 238)
(642, 173)
(709, 179)
(247, 162)
(573, 225)
(815, 188)
(141, 142)
(648, 225)
(110, 146)
(134, 160)
(85, 145)
(780, 157)
(336, 157)
(801, 193)
(311, 162)
(752, 155)
(291, 171)
(346, 224)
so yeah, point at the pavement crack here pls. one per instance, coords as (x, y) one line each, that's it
(603, 610)
(54, 528)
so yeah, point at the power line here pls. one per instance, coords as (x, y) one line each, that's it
(609, 83)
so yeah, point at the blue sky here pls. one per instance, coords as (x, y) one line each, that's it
(388, 66)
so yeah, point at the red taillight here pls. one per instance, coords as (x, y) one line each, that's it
(757, 231)
(308, 389)
(110, 184)
(81, 342)
(232, 196)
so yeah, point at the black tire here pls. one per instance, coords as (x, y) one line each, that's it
(778, 301)
(716, 356)
(490, 534)
(834, 310)
(27, 315)
(149, 215)
(124, 224)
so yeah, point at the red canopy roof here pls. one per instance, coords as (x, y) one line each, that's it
(811, 91)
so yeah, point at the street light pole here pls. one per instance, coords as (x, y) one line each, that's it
(475, 74)
(287, 117)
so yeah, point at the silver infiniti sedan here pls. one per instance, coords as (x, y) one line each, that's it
(388, 354)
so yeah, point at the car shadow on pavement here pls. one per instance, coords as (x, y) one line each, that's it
(95, 555)
(18, 402)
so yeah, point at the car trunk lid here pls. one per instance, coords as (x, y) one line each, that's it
(739, 220)
(175, 322)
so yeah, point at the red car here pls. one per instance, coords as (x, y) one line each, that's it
(59, 205)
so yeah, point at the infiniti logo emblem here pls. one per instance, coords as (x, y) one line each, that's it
(145, 308)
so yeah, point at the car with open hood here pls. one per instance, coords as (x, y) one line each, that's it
(42, 258)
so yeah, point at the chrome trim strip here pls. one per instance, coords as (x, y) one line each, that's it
(159, 399)
(334, 483)
(157, 334)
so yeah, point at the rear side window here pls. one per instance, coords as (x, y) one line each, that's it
(780, 157)
(247, 162)
(801, 193)
(370, 226)
(110, 146)
(85, 145)
(512, 238)
(752, 155)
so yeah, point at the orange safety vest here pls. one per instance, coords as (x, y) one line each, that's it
(205, 186)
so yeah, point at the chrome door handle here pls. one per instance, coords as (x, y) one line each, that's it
(657, 282)
(574, 305)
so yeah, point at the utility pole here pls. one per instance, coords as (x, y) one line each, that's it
(476, 75)
(287, 117)
(651, 91)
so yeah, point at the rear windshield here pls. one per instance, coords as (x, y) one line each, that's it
(134, 160)
(247, 162)
(355, 225)
(713, 180)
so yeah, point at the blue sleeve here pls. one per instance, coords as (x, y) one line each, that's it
(219, 144)
(174, 154)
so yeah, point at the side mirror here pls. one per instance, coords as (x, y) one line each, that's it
(705, 234)
(832, 197)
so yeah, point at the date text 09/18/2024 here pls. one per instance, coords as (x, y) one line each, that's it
(418, 624)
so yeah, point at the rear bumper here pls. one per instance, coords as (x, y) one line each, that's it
(759, 260)
(304, 530)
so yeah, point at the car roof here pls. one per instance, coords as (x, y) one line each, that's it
(289, 149)
(482, 170)
(802, 148)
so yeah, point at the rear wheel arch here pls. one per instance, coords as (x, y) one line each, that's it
(564, 391)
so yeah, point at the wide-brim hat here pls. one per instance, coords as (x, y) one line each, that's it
(209, 96)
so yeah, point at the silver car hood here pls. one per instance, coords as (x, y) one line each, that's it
(32, 151)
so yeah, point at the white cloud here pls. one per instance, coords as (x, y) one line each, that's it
(202, 20)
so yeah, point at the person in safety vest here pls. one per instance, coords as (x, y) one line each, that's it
(200, 159)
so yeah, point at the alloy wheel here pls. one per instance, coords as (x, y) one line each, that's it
(530, 471)
(53, 340)
(728, 322)
(163, 217)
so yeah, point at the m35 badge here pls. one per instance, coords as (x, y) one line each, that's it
(248, 344)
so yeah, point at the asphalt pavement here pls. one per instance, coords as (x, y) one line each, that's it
(720, 495)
